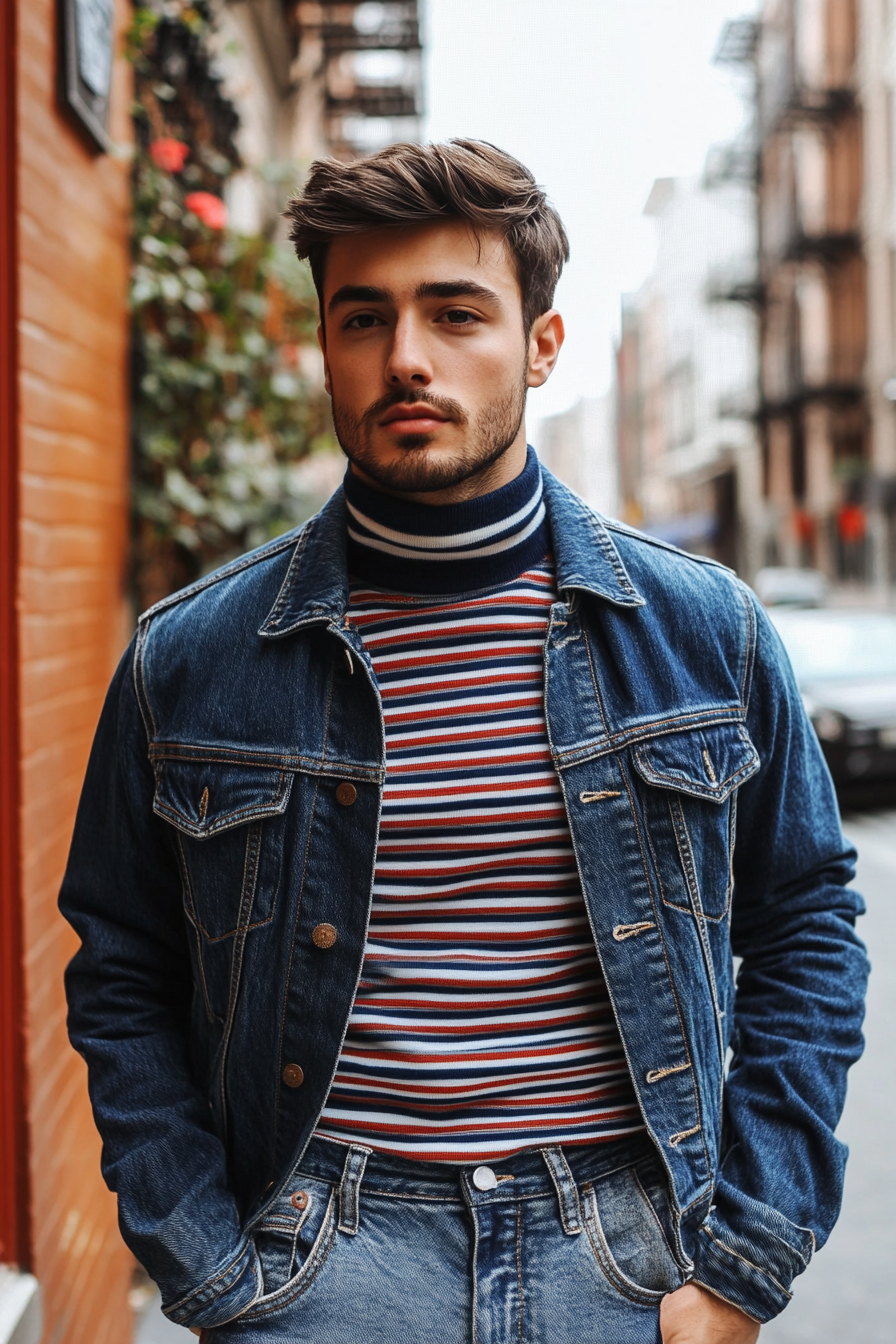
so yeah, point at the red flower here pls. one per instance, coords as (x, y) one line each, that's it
(169, 155)
(851, 523)
(210, 209)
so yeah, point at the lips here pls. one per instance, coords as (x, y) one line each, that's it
(409, 418)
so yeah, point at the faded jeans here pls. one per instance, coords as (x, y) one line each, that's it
(550, 1246)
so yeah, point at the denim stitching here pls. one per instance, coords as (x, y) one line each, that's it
(759, 1269)
(140, 687)
(679, 783)
(519, 1270)
(205, 1289)
(286, 762)
(414, 1195)
(594, 682)
(193, 920)
(236, 816)
(749, 646)
(658, 875)
(625, 1286)
(247, 899)
(644, 732)
(654, 1075)
(288, 579)
(623, 931)
(647, 1200)
(676, 1139)
(697, 1107)
(685, 853)
(302, 1281)
(278, 1108)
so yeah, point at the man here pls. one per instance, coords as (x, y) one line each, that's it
(413, 851)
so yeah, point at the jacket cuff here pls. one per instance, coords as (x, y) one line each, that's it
(223, 1297)
(753, 1265)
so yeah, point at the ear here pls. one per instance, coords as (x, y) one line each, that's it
(545, 339)
(322, 342)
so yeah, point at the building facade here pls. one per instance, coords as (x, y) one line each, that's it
(686, 375)
(814, 407)
(578, 446)
(64, 458)
(66, 138)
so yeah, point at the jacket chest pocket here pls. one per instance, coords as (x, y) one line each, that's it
(689, 795)
(229, 830)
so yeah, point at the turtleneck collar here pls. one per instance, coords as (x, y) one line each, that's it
(446, 548)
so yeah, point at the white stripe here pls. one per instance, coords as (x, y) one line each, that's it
(478, 553)
(429, 543)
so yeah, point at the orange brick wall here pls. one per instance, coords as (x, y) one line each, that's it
(73, 256)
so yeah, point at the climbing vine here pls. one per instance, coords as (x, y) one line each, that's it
(227, 398)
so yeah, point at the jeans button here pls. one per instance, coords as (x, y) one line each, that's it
(346, 794)
(293, 1075)
(484, 1178)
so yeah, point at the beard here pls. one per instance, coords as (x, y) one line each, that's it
(421, 468)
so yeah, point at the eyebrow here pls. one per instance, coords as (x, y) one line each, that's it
(359, 294)
(455, 289)
(429, 289)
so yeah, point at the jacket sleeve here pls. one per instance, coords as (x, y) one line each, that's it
(130, 999)
(798, 1006)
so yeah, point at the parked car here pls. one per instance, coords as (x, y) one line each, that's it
(780, 586)
(845, 664)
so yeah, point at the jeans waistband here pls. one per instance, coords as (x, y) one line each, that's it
(529, 1172)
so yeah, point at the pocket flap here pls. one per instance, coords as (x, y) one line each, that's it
(202, 798)
(705, 762)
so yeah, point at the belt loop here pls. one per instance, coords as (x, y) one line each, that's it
(350, 1188)
(567, 1194)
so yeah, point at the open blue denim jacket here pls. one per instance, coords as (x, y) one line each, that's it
(210, 842)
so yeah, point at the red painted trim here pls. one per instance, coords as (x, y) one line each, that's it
(15, 1230)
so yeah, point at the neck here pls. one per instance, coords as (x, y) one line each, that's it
(404, 545)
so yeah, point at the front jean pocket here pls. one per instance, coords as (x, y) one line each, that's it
(293, 1242)
(625, 1230)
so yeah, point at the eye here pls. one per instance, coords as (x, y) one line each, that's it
(459, 317)
(362, 322)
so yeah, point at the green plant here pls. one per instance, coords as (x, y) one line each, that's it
(227, 398)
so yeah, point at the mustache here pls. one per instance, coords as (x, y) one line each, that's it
(410, 396)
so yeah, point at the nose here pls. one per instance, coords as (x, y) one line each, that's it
(408, 364)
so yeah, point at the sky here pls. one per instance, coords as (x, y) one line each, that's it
(598, 98)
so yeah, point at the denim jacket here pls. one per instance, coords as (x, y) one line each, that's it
(213, 837)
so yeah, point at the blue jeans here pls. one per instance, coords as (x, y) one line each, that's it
(551, 1246)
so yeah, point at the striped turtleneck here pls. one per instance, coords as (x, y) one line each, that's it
(482, 1023)
(446, 548)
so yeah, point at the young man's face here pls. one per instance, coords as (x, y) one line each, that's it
(427, 359)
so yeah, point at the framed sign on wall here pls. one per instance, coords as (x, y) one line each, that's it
(88, 35)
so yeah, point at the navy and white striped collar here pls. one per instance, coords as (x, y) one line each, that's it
(446, 548)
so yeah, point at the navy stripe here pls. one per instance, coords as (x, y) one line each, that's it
(482, 1023)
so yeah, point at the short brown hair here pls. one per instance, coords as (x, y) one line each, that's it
(411, 184)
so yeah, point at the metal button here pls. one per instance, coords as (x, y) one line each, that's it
(324, 935)
(299, 1200)
(484, 1178)
(293, 1075)
(346, 794)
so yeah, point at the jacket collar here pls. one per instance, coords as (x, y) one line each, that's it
(315, 590)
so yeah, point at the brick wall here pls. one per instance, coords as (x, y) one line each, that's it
(73, 225)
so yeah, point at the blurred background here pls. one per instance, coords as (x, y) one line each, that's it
(727, 174)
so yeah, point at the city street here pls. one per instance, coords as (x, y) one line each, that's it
(846, 1296)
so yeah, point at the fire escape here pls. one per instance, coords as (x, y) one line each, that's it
(370, 63)
(811, 268)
